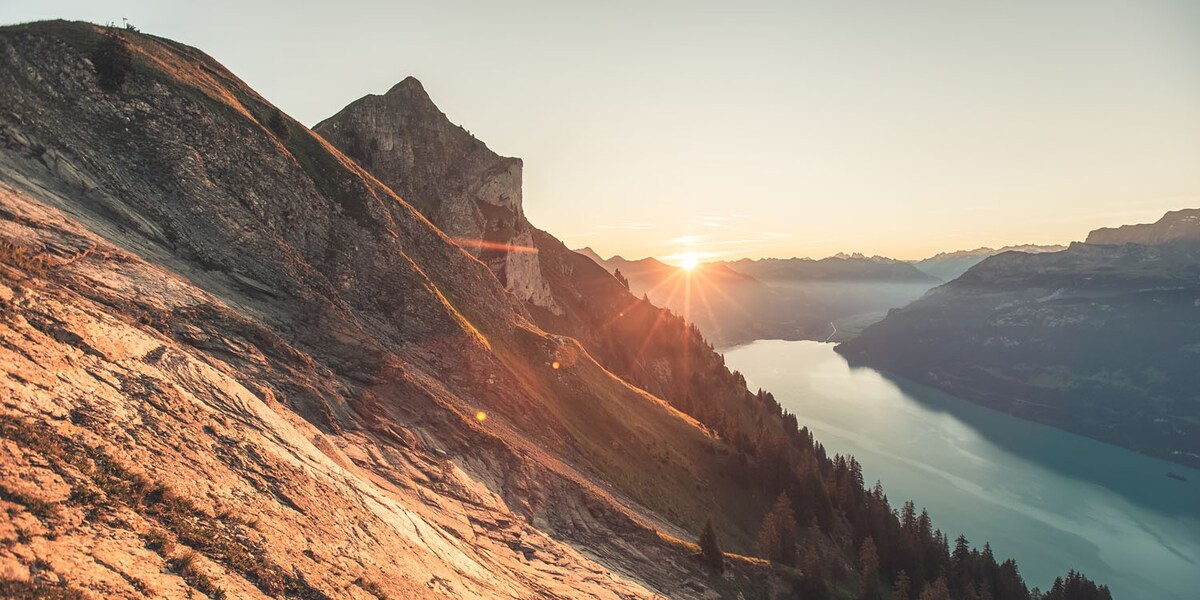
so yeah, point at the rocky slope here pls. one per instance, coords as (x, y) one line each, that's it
(222, 337)
(468, 191)
(473, 194)
(1101, 340)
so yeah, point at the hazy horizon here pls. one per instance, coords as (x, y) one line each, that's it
(803, 130)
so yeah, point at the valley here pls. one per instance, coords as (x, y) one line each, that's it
(1034, 492)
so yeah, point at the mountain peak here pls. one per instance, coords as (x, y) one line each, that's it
(410, 86)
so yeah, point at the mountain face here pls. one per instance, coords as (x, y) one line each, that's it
(1101, 340)
(468, 191)
(232, 359)
(949, 265)
(474, 195)
(1175, 226)
(235, 363)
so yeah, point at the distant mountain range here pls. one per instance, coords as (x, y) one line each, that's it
(796, 298)
(840, 267)
(948, 265)
(1102, 338)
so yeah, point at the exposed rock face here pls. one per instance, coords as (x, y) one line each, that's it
(405, 141)
(219, 335)
(1175, 226)
(1097, 339)
(468, 191)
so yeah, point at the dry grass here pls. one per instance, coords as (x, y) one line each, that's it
(21, 258)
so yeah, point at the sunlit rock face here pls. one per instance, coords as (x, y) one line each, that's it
(470, 192)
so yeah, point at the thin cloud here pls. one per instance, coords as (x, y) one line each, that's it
(626, 226)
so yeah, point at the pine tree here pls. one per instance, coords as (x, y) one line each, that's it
(900, 586)
(812, 562)
(868, 570)
(936, 590)
(777, 538)
(710, 551)
(621, 278)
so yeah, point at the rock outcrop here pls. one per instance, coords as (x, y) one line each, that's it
(468, 191)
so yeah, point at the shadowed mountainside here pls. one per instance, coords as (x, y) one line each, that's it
(1098, 339)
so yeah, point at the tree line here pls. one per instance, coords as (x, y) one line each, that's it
(826, 529)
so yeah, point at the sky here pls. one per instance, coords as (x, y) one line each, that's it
(723, 129)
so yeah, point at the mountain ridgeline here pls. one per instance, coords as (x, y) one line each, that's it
(1101, 338)
(734, 302)
(241, 359)
(949, 265)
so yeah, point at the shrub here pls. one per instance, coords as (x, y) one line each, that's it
(112, 60)
(278, 124)
(710, 551)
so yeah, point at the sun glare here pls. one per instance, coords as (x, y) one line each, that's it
(688, 263)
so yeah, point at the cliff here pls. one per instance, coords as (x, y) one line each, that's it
(468, 191)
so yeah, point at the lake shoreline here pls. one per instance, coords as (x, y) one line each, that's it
(1051, 499)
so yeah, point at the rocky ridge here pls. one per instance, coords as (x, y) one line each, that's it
(234, 360)
(468, 191)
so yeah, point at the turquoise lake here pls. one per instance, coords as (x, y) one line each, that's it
(1050, 499)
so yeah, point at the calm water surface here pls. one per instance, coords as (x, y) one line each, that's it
(1050, 499)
